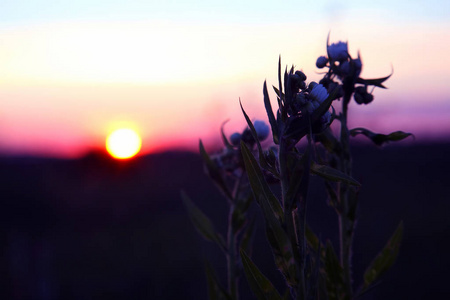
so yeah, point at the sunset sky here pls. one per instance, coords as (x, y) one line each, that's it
(72, 71)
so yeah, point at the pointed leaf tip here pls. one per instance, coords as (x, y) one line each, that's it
(260, 285)
(385, 259)
(380, 139)
(201, 222)
(213, 172)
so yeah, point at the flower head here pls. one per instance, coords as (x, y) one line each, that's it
(338, 51)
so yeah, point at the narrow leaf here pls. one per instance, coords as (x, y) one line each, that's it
(280, 85)
(270, 115)
(332, 174)
(247, 236)
(378, 138)
(262, 159)
(239, 216)
(334, 273)
(238, 220)
(282, 252)
(224, 137)
(384, 259)
(312, 239)
(273, 213)
(260, 285)
(277, 91)
(215, 290)
(201, 222)
(299, 180)
(259, 184)
(332, 196)
(329, 141)
(376, 82)
(214, 172)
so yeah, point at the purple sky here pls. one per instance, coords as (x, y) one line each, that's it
(69, 75)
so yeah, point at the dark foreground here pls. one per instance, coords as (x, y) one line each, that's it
(98, 229)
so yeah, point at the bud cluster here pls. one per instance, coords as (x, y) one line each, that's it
(262, 132)
(304, 99)
(229, 159)
(345, 68)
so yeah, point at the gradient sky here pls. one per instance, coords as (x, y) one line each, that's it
(72, 71)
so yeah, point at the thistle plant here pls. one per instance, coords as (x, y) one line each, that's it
(311, 268)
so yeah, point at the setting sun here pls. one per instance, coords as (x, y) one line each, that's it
(123, 143)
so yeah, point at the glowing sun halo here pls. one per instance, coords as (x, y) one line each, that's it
(123, 143)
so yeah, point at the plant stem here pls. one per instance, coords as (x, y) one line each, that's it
(298, 247)
(345, 224)
(231, 258)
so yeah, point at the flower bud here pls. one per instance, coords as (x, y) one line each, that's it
(336, 86)
(311, 85)
(361, 95)
(247, 137)
(368, 98)
(295, 81)
(235, 138)
(359, 98)
(321, 62)
(301, 75)
(262, 129)
(302, 85)
(360, 89)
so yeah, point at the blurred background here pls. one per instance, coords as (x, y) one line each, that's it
(78, 224)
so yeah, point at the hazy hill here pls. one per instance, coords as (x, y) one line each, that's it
(99, 229)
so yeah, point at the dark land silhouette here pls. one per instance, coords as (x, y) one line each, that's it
(95, 228)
